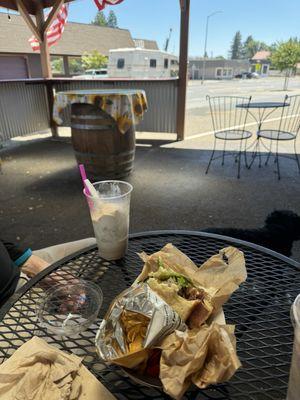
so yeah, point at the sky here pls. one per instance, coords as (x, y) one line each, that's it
(265, 20)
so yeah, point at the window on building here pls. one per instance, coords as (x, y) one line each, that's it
(75, 65)
(166, 63)
(265, 69)
(57, 65)
(225, 72)
(121, 63)
(152, 63)
(102, 71)
(219, 72)
(139, 43)
(229, 72)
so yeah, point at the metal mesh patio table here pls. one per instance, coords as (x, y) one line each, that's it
(260, 309)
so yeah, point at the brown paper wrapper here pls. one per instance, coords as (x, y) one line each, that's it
(220, 275)
(206, 355)
(202, 357)
(38, 370)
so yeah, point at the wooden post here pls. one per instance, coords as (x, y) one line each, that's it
(44, 49)
(50, 100)
(27, 18)
(40, 32)
(55, 10)
(183, 67)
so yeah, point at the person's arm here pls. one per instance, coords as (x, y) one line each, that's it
(18, 254)
(22, 257)
(33, 265)
(9, 274)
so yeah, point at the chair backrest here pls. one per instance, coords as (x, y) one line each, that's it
(228, 112)
(290, 115)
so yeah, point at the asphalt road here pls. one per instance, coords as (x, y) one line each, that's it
(198, 119)
(262, 89)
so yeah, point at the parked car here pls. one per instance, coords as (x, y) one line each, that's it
(241, 75)
(93, 74)
(254, 75)
(248, 75)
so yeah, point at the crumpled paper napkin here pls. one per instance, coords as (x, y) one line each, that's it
(38, 371)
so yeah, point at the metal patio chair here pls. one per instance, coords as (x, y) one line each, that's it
(287, 129)
(229, 124)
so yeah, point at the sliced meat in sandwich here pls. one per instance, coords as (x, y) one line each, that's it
(190, 301)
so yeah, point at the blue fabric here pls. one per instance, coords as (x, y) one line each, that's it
(23, 257)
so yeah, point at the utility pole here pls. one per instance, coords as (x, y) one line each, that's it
(205, 43)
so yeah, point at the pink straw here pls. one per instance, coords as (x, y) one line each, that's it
(83, 177)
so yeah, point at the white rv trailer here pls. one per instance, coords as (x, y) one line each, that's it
(141, 63)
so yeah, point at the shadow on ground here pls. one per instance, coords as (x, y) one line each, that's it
(41, 201)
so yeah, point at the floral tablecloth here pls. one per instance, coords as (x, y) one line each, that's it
(126, 107)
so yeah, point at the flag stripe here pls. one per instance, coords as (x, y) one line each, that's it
(55, 30)
(102, 3)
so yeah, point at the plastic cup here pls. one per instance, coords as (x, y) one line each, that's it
(110, 217)
(294, 381)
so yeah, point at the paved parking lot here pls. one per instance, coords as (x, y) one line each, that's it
(263, 89)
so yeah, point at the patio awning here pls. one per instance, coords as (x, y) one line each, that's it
(30, 5)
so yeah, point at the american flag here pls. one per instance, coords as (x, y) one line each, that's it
(55, 30)
(102, 3)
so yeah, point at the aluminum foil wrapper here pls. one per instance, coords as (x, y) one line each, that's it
(140, 299)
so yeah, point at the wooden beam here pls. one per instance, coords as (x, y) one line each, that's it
(27, 18)
(50, 101)
(53, 13)
(44, 48)
(183, 67)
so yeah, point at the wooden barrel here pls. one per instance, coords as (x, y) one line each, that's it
(98, 144)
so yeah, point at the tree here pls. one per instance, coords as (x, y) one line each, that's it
(93, 60)
(236, 47)
(263, 46)
(250, 47)
(286, 57)
(112, 21)
(75, 65)
(99, 19)
(57, 65)
(273, 47)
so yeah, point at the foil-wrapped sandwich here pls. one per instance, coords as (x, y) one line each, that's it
(136, 320)
(168, 325)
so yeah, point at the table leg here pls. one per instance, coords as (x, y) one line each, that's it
(254, 154)
(259, 153)
(269, 154)
(277, 160)
(245, 154)
(223, 155)
(239, 159)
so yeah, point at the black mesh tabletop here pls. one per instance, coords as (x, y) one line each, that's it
(260, 309)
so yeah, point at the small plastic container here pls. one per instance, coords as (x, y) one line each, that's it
(294, 381)
(68, 309)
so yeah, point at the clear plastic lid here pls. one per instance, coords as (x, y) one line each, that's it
(68, 309)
